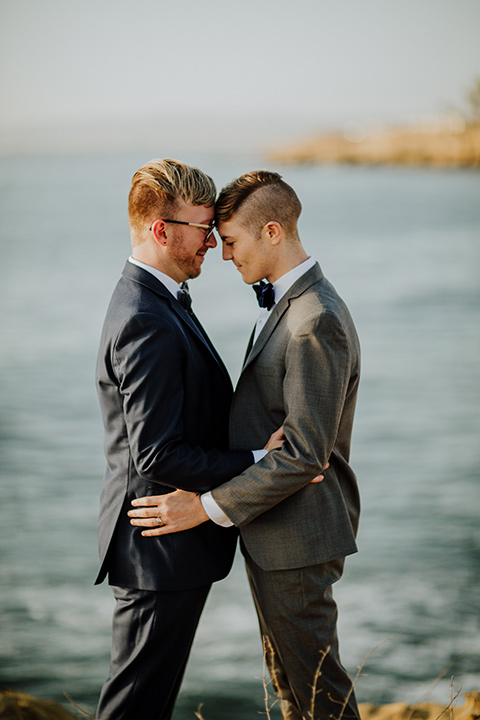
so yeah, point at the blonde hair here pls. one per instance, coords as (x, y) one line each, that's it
(157, 187)
(259, 197)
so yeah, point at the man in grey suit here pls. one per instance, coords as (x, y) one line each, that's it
(301, 370)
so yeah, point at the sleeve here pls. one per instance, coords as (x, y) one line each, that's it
(318, 362)
(213, 511)
(147, 359)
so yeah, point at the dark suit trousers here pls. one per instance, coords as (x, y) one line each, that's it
(152, 636)
(298, 619)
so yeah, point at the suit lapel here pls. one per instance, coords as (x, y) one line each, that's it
(143, 277)
(298, 288)
(203, 335)
(249, 346)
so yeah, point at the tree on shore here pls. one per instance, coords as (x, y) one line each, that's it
(473, 99)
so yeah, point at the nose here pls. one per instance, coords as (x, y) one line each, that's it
(211, 241)
(226, 252)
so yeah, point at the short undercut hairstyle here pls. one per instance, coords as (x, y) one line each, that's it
(160, 184)
(259, 197)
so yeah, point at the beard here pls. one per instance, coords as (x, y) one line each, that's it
(185, 257)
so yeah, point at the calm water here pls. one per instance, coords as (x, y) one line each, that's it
(403, 248)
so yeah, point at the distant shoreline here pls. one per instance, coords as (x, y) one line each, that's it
(421, 145)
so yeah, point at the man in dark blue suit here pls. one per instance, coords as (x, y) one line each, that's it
(165, 397)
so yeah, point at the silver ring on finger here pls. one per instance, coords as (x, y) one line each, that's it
(160, 521)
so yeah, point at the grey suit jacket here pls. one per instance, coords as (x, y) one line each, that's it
(302, 372)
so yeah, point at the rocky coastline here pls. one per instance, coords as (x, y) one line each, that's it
(441, 145)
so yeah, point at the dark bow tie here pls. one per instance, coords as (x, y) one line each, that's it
(184, 297)
(265, 294)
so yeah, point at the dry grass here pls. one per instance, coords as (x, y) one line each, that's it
(21, 706)
(395, 711)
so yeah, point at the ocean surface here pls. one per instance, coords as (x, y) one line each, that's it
(402, 246)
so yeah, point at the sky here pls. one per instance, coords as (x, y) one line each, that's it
(102, 73)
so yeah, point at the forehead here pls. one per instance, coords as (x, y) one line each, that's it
(232, 229)
(194, 213)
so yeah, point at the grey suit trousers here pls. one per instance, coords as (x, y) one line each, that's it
(298, 616)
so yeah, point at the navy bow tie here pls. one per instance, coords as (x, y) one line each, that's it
(265, 294)
(184, 297)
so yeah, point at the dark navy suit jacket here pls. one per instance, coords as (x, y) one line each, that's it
(165, 397)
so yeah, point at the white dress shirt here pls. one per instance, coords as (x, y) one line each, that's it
(281, 286)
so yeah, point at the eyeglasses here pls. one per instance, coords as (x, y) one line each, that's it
(208, 228)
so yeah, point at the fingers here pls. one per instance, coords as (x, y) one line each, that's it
(148, 509)
(157, 531)
(145, 512)
(173, 512)
(151, 519)
(319, 478)
(152, 525)
(153, 533)
(149, 515)
(145, 520)
(275, 441)
(148, 500)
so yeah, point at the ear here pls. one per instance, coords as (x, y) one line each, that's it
(272, 232)
(158, 230)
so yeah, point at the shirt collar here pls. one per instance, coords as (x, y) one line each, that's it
(166, 280)
(281, 286)
(285, 282)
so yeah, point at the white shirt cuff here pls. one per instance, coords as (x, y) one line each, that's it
(213, 511)
(259, 454)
